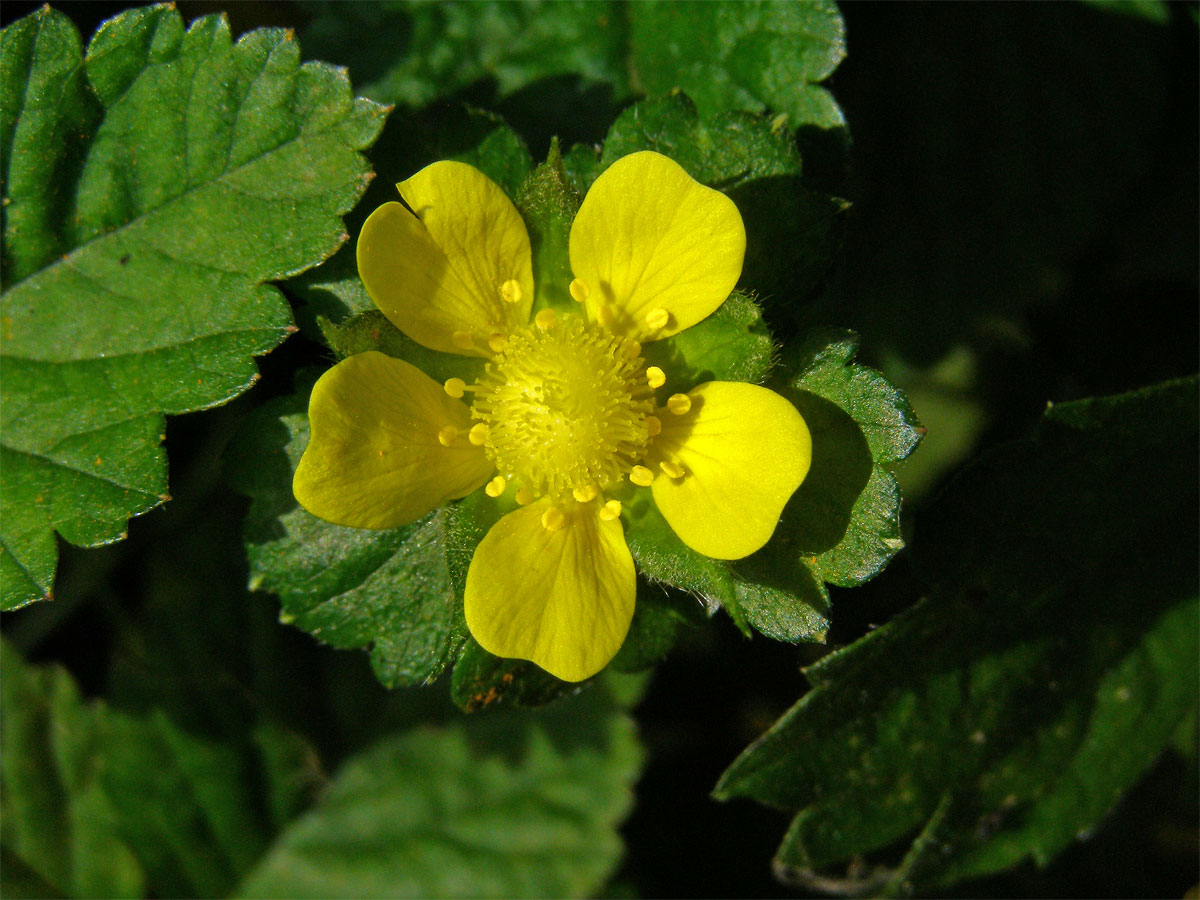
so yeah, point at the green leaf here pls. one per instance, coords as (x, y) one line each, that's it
(746, 55)
(101, 803)
(450, 46)
(118, 308)
(792, 230)
(494, 806)
(58, 819)
(348, 587)
(1053, 660)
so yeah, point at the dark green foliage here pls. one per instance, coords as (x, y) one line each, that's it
(117, 308)
(1054, 658)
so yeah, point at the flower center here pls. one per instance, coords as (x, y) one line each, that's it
(565, 405)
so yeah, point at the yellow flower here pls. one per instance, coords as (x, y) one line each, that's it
(565, 417)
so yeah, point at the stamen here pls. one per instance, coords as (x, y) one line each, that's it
(564, 409)
(679, 404)
(605, 316)
(653, 425)
(497, 343)
(655, 377)
(455, 387)
(546, 319)
(611, 510)
(510, 292)
(633, 349)
(462, 340)
(672, 470)
(447, 435)
(496, 486)
(553, 519)
(586, 493)
(657, 318)
(641, 476)
(579, 290)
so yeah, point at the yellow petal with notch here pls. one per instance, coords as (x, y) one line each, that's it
(553, 587)
(743, 450)
(387, 445)
(445, 276)
(657, 248)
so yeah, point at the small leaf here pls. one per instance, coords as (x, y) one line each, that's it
(492, 806)
(1053, 660)
(117, 307)
(349, 587)
(746, 55)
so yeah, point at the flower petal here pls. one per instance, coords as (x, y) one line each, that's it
(561, 598)
(440, 273)
(651, 243)
(744, 451)
(375, 459)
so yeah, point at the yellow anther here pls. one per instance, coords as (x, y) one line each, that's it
(546, 319)
(553, 519)
(579, 290)
(478, 434)
(605, 316)
(447, 435)
(657, 318)
(679, 404)
(462, 340)
(641, 476)
(655, 377)
(524, 495)
(653, 425)
(497, 343)
(586, 493)
(510, 292)
(455, 387)
(672, 470)
(611, 510)
(632, 348)
(495, 487)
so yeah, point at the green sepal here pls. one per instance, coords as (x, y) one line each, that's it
(548, 202)
(372, 330)
(732, 344)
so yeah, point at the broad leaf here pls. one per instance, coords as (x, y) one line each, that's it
(1054, 658)
(350, 587)
(149, 188)
(101, 803)
(492, 806)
